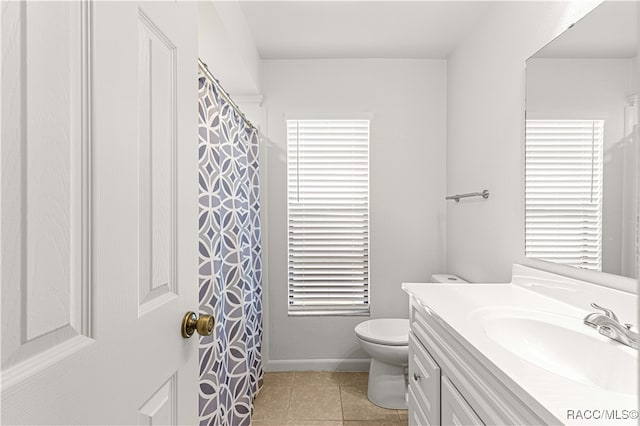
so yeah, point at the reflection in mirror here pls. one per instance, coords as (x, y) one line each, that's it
(581, 144)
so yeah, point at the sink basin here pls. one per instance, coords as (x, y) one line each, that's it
(564, 346)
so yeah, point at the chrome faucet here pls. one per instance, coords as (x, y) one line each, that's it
(608, 325)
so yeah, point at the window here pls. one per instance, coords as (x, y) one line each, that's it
(328, 217)
(564, 191)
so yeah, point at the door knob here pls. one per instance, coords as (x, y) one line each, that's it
(191, 323)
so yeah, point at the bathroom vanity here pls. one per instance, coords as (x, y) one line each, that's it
(518, 353)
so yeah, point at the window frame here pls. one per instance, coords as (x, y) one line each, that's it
(325, 310)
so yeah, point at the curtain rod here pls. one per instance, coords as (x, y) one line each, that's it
(205, 70)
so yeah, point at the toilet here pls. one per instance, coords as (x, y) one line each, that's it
(386, 340)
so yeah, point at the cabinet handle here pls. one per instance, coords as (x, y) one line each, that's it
(416, 376)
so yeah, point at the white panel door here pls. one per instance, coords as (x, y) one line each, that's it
(98, 212)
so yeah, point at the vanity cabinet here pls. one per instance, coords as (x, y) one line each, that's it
(433, 400)
(449, 385)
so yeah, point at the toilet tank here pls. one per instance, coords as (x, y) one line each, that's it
(447, 278)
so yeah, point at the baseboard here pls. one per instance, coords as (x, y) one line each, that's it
(317, 365)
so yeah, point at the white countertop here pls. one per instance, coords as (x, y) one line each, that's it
(465, 309)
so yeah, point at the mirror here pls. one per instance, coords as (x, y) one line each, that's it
(581, 144)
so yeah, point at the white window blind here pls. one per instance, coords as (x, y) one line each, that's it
(328, 217)
(564, 191)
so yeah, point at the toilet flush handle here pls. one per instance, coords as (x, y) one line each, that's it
(416, 376)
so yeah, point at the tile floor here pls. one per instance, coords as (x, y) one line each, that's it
(320, 399)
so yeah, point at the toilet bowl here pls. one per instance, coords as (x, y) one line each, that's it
(386, 340)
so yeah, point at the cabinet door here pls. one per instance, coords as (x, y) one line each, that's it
(417, 417)
(424, 381)
(455, 409)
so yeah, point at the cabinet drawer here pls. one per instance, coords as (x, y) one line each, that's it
(455, 409)
(419, 324)
(424, 380)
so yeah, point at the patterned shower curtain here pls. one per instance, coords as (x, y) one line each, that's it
(230, 269)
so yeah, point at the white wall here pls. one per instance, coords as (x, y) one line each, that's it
(593, 89)
(407, 99)
(226, 45)
(485, 131)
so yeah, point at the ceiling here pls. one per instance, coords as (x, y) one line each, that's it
(360, 29)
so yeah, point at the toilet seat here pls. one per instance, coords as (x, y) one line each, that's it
(384, 331)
